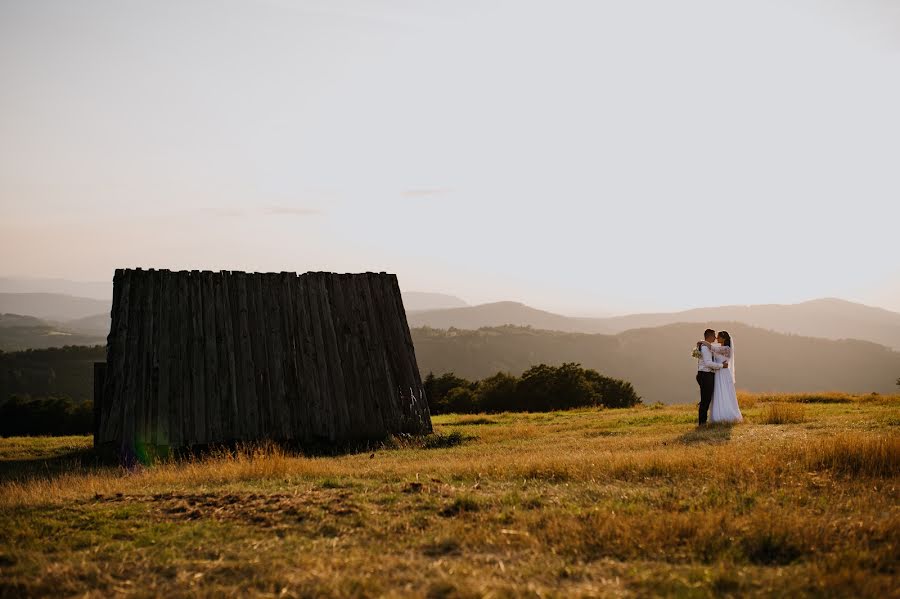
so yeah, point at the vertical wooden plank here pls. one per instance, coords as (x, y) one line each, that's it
(375, 411)
(332, 358)
(256, 320)
(133, 362)
(389, 380)
(164, 359)
(198, 378)
(289, 358)
(310, 426)
(355, 399)
(412, 368)
(150, 392)
(114, 388)
(319, 406)
(223, 370)
(186, 414)
(387, 397)
(276, 344)
(212, 375)
(231, 323)
(249, 411)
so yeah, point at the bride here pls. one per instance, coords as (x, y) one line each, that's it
(724, 404)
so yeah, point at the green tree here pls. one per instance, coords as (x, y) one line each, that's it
(543, 388)
(437, 389)
(460, 400)
(497, 393)
(612, 393)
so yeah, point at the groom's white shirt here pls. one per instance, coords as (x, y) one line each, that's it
(706, 362)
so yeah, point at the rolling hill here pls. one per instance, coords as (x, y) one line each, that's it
(829, 318)
(89, 317)
(91, 289)
(52, 306)
(503, 313)
(27, 332)
(826, 318)
(423, 300)
(59, 371)
(657, 360)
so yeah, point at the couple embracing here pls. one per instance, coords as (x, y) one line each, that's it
(715, 375)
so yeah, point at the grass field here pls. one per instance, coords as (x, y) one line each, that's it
(800, 500)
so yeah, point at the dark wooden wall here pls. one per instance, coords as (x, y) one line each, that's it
(195, 358)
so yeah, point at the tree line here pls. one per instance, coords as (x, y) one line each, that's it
(541, 388)
(24, 416)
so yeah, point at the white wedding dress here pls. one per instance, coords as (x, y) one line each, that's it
(724, 404)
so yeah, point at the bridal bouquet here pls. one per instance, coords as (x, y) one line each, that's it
(695, 353)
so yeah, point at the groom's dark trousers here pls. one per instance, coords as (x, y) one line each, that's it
(707, 382)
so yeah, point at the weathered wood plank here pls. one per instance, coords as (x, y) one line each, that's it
(111, 417)
(209, 358)
(204, 357)
(231, 325)
(164, 358)
(248, 404)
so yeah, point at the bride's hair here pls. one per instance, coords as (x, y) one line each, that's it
(727, 337)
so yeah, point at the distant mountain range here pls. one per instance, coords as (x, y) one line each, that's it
(657, 360)
(52, 306)
(92, 289)
(102, 290)
(826, 318)
(57, 318)
(27, 332)
(783, 347)
(422, 300)
(501, 313)
(829, 318)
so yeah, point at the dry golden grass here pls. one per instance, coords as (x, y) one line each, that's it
(783, 413)
(748, 399)
(854, 454)
(629, 502)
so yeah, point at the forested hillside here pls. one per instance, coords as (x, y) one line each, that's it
(60, 372)
(657, 361)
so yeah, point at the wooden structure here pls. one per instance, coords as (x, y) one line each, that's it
(198, 358)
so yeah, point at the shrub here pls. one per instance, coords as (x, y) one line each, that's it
(437, 390)
(460, 400)
(613, 393)
(497, 393)
(541, 388)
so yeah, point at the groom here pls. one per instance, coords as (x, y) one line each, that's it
(706, 375)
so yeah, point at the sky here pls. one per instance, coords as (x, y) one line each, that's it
(590, 157)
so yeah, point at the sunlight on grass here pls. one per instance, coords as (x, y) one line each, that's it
(630, 502)
(783, 413)
(852, 454)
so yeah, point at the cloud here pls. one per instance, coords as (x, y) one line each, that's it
(426, 192)
(292, 211)
(224, 213)
(274, 210)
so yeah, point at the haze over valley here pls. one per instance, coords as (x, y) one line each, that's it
(820, 345)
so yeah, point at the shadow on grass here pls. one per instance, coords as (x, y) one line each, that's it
(48, 467)
(83, 460)
(709, 434)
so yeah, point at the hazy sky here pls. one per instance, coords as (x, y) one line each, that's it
(585, 157)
